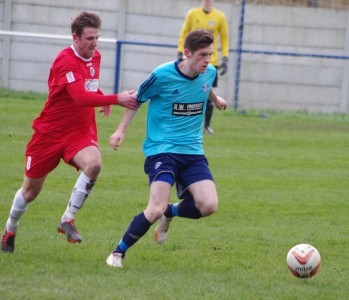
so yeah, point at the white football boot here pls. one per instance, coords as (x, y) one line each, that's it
(161, 230)
(114, 260)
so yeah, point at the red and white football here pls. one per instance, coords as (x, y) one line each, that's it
(303, 260)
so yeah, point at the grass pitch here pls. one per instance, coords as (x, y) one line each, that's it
(281, 180)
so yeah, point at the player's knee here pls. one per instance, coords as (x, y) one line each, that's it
(30, 194)
(153, 214)
(93, 168)
(209, 208)
(96, 168)
(157, 212)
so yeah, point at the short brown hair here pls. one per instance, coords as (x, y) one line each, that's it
(83, 20)
(198, 39)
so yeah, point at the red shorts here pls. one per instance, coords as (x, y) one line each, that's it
(44, 152)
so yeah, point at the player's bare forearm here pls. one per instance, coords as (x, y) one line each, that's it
(117, 138)
(126, 119)
(212, 96)
(218, 101)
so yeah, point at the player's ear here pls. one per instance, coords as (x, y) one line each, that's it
(187, 53)
(74, 35)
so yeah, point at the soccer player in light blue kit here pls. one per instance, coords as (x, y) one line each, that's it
(178, 93)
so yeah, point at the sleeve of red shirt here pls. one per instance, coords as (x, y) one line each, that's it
(67, 63)
(81, 97)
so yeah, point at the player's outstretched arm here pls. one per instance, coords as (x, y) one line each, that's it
(118, 136)
(218, 101)
(83, 98)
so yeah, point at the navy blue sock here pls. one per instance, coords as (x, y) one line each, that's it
(184, 209)
(187, 209)
(138, 227)
(169, 213)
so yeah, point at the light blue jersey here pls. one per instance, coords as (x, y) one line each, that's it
(176, 109)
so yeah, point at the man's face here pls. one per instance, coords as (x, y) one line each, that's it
(207, 4)
(86, 44)
(199, 60)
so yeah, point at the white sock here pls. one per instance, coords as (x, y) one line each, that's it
(19, 207)
(82, 189)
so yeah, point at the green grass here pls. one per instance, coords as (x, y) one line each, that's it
(282, 180)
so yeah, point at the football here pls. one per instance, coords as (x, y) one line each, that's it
(303, 260)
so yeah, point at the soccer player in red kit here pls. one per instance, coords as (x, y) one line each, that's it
(66, 128)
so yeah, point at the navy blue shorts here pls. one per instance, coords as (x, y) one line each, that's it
(185, 169)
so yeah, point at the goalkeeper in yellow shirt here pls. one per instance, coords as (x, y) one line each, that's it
(207, 17)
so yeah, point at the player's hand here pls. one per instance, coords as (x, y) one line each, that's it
(128, 99)
(221, 104)
(105, 110)
(116, 139)
(224, 66)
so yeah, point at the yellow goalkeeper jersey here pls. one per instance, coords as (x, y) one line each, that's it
(216, 21)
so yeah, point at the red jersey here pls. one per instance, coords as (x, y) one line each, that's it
(62, 113)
